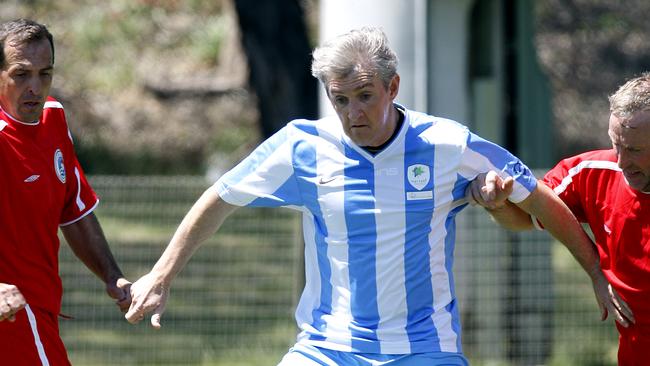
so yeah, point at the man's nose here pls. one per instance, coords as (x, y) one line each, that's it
(354, 111)
(35, 86)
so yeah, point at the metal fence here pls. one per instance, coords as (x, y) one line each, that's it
(524, 300)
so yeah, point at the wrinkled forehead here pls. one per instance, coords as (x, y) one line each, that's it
(36, 52)
(637, 121)
(633, 131)
(354, 81)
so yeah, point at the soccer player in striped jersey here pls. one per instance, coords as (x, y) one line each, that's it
(610, 191)
(42, 189)
(378, 186)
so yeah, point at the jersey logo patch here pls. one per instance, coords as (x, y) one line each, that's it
(419, 175)
(32, 178)
(59, 168)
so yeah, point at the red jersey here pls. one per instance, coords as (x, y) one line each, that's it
(42, 187)
(594, 188)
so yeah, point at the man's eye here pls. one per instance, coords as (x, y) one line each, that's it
(340, 100)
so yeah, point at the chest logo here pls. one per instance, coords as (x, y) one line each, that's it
(59, 168)
(419, 175)
(32, 178)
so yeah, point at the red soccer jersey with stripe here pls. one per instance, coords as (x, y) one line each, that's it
(42, 186)
(594, 188)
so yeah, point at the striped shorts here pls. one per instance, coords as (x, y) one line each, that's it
(308, 355)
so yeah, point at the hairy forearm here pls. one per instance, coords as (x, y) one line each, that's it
(201, 222)
(86, 239)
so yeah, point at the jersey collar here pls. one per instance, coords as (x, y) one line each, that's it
(13, 119)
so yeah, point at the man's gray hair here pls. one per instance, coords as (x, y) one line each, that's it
(21, 31)
(631, 97)
(360, 49)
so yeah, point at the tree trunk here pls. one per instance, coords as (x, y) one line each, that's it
(274, 38)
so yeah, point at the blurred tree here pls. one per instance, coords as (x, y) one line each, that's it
(588, 48)
(275, 40)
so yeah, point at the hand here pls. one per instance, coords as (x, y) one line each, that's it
(489, 190)
(11, 302)
(149, 295)
(609, 302)
(120, 290)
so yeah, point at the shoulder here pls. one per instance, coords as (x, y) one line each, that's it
(316, 131)
(53, 112)
(437, 130)
(303, 126)
(589, 169)
(605, 160)
(53, 117)
(52, 103)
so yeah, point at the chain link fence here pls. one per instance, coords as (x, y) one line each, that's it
(524, 300)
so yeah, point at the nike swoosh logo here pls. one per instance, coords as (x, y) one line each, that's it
(32, 178)
(326, 180)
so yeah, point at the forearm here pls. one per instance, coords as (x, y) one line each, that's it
(86, 239)
(201, 222)
(558, 220)
(511, 217)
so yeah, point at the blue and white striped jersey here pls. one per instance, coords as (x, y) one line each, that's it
(379, 230)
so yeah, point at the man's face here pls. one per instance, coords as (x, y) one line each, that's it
(25, 79)
(631, 140)
(365, 107)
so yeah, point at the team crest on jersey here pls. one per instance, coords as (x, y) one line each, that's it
(59, 168)
(419, 175)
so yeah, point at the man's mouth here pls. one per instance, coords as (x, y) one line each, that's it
(32, 103)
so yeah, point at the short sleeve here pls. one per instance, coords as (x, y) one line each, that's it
(481, 156)
(562, 182)
(265, 178)
(80, 198)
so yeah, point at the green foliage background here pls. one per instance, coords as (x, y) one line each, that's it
(114, 57)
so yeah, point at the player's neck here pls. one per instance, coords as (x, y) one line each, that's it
(399, 115)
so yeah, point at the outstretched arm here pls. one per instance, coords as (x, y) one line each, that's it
(88, 243)
(150, 292)
(558, 220)
(491, 192)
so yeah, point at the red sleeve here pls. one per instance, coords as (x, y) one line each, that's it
(564, 180)
(80, 199)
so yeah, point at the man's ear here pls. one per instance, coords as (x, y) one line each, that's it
(393, 87)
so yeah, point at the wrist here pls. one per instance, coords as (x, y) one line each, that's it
(160, 276)
(469, 196)
(113, 277)
(496, 207)
(595, 272)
